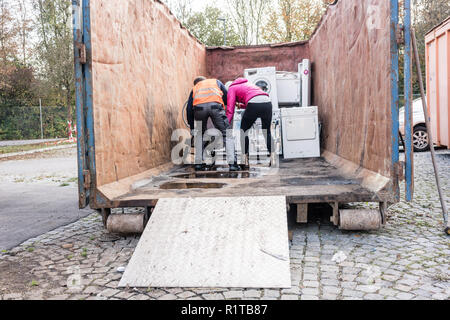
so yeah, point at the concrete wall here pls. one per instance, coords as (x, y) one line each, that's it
(143, 66)
(350, 52)
(227, 64)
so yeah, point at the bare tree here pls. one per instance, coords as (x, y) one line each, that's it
(248, 16)
(24, 28)
(8, 32)
(258, 9)
(182, 9)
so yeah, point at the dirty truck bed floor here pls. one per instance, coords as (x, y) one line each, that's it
(300, 180)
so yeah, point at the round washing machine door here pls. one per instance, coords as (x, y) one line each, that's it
(264, 84)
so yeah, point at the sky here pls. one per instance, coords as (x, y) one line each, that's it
(198, 5)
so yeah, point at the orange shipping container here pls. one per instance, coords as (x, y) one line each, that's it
(438, 81)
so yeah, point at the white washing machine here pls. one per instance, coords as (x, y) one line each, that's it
(266, 79)
(300, 130)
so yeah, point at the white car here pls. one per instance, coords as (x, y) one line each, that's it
(420, 135)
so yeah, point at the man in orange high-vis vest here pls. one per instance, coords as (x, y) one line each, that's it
(208, 100)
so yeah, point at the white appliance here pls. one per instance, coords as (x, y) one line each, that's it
(257, 142)
(294, 88)
(288, 88)
(300, 130)
(266, 79)
(276, 132)
(304, 70)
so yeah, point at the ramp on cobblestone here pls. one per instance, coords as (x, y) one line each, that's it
(213, 242)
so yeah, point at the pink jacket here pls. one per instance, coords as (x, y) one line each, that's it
(241, 91)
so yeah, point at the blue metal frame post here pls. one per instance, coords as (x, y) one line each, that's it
(88, 99)
(79, 86)
(409, 152)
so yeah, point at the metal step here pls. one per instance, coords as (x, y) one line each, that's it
(213, 242)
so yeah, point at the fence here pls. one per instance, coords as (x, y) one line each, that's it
(17, 123)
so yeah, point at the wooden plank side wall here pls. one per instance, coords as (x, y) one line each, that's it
(143, 66)
(229, 64)
(350, 52)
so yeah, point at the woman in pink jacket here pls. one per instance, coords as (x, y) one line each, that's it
(257, 104)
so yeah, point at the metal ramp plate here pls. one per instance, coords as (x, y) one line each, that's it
(215, 243)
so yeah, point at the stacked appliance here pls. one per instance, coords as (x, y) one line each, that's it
(304, 69)
(295, 124)
(288, 89)
(300, 121)
(300, 132)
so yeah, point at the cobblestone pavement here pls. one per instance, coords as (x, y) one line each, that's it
(408, 259)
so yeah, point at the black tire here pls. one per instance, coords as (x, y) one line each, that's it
(420, 139)
(185, 120)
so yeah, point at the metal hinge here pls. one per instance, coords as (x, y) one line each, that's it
(400, 34)
(82, 50)
(87, 179)
(400, 170)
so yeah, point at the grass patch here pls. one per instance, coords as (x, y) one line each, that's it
(30, 249)
(84, 253)
(64, 184)
(30, 147)
(34, 283)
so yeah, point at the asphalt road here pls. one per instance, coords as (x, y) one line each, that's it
(37, 194)
(24, 142)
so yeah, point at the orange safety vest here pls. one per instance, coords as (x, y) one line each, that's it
(207, 91)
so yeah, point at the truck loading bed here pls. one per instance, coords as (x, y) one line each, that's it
(126, 124)
(310, 180)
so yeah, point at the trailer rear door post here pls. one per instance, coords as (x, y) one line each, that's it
(83, 94)
(409, 155)
(89, 112)
(79, 61)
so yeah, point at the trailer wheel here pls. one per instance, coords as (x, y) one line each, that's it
(125, 224)
(420, 139)
(360, 219)
(183, 113)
